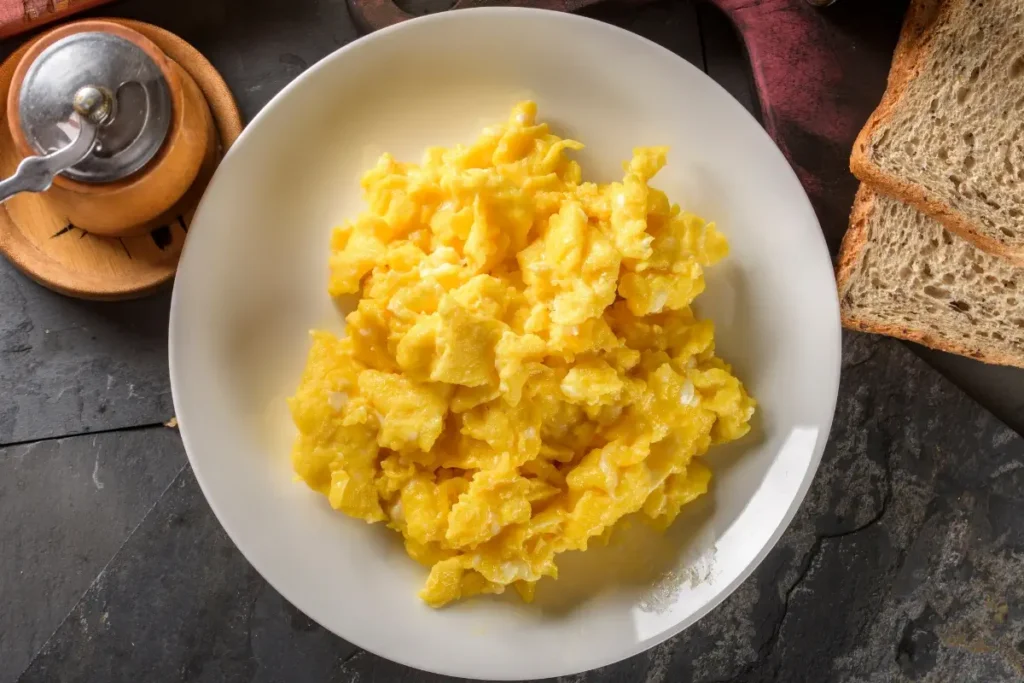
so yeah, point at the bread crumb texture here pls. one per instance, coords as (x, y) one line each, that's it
(955, 132)
(912, 278)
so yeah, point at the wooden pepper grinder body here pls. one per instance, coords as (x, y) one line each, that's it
(159, 137)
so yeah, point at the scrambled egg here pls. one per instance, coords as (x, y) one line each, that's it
(523, 368)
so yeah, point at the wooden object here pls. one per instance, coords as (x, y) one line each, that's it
(37, 236)
(818, 71)
(18, 16)
(134, 205)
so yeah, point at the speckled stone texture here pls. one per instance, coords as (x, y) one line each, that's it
(66, 507)
(904, 564)
(68, 366)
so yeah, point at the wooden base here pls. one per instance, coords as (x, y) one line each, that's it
(39, 239)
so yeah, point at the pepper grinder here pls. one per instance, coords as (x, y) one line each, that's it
(117, 141)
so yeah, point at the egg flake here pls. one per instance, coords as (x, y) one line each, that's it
(523, 369)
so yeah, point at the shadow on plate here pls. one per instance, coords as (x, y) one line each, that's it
(655, 566)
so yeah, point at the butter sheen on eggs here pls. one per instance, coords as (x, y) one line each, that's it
(523, 368)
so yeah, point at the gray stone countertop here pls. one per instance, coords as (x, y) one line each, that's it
(905, 563)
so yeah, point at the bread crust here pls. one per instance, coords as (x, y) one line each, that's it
(915, 44)
(850, 254)
(854, 240)
(929, 340)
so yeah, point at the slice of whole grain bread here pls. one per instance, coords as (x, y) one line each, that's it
(903, 274)
(948, 137)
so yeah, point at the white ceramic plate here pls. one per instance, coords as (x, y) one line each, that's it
(252, 282)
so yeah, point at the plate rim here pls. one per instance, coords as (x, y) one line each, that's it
(832, 374)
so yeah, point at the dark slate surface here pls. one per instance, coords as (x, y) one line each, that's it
(999, 389)
(67, 505)
(903, 564)
(69, 366)
(180, 602)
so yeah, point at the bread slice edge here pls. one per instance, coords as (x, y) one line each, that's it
(911, 51)
(854, 242)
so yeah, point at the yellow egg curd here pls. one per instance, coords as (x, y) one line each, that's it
(523, 368)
